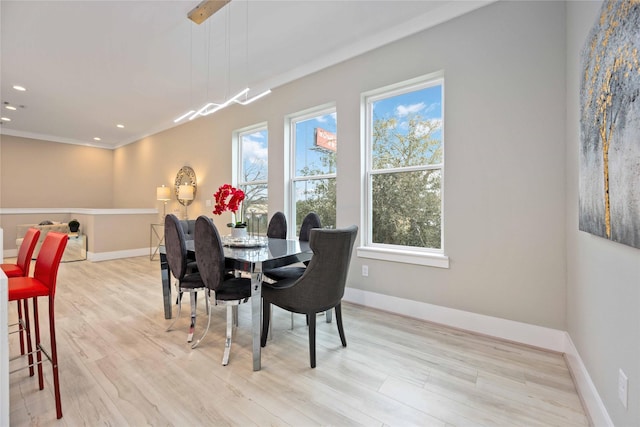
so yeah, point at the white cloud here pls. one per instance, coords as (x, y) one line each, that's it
(254, 151)
(325, 118)
(257, 135)
(404, 110)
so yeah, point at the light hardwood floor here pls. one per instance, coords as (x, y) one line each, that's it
(119, 367)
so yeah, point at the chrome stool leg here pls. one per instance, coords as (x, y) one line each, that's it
(227, 342)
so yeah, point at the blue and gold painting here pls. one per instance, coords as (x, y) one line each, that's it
(609, 163)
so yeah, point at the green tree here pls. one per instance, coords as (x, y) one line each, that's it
(319, 194)
(406, 197)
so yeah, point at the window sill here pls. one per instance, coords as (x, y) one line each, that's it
(407, 257)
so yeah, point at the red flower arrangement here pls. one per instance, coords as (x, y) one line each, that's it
(229, 198)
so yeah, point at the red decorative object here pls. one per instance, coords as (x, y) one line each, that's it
(229, 198)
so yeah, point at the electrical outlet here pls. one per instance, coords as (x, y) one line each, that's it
(365, 271)
(623, 387)
(208, 203)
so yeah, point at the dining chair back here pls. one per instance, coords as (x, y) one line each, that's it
(310, 221)
(277, 228)
(176, 247)
(21, 268)
(186, 279)
(321, 286)
(222, 288)
(43, 284)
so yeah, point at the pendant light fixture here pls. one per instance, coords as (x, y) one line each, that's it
(199, 15)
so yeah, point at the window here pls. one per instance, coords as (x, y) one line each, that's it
(404, 168)
(253, 175)
(313, 167)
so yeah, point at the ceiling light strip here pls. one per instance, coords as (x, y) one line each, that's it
(206, 109)
(255, 98)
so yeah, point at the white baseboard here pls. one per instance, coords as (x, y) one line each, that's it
(587, 390)
(523, 333)
(105, 256)
(97, 256)
(10, 253)
(537, 336)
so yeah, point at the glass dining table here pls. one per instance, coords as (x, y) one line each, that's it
(253, 257)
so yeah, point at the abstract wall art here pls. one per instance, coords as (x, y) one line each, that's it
(609, 162)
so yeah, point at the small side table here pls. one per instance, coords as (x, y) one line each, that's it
(156, 239)
(76, 249)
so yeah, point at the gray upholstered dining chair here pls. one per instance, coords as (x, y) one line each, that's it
(321, 286)
(221, 288)
(186, 279)
(277, 228)
(310, 221)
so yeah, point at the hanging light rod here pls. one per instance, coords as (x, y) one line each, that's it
(198, 15)
(255, 98)
(205, 9)
(184, 116)
(207, 109)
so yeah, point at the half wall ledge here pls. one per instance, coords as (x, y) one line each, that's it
(110, 232)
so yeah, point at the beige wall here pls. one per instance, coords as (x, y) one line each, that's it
(204, 144)
(45, 174)
(38, 174)
(116, 232)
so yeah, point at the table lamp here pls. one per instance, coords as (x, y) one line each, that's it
(163, 194)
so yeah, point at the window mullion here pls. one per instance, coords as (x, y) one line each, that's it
(407, 169)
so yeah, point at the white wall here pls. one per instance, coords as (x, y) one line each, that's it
(504, 172)
(4, 348)
(510, 181)
(504, 147)
(603, 278)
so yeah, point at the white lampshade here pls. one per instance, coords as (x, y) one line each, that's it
(185, 192)
(163, 193)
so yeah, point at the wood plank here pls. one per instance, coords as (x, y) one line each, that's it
(118, 366)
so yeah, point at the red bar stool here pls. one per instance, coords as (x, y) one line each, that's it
(43, 284)
(20, 269)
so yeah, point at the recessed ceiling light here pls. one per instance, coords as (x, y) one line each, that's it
(10, 107)
(5, 119)
(96, 139)
(120, 126)
(20, 88)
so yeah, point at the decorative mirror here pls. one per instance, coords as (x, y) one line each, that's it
(186, 186)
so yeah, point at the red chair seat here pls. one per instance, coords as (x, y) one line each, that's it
(26, 287)
(12, 270)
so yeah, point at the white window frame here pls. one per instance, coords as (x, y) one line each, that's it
(397, 253)
(238, 169)
(292, 119)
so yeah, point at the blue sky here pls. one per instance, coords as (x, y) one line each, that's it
(426, 102)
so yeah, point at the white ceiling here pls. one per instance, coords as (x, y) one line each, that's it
(89, 65)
